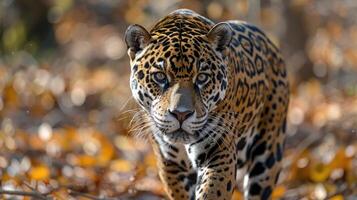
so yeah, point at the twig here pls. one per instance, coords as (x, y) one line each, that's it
(303, 145)
(88, 196)
(50, 191)
(44, 196)
(24, 193)
(341, 190)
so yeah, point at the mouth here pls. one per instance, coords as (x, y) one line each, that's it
(182, 136)
(179, 131)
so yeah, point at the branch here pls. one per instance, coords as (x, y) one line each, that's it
(88, 196)
(24, 193)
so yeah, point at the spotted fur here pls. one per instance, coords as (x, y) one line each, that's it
(216, 98)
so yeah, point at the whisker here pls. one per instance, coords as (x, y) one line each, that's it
(126, 102)
(140, 130)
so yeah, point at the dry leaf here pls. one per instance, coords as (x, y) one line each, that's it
(121, 165)
(40, 173)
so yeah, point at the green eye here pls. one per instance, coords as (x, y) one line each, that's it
(202, 78)
(159, 78)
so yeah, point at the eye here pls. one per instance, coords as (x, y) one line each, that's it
(202, 78)
(159, 78)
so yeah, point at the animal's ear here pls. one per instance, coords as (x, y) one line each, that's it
(220, 35)
(136, 38)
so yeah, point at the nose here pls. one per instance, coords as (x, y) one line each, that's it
(181, 116)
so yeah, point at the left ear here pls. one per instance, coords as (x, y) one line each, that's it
(220, 35)
(136, 38)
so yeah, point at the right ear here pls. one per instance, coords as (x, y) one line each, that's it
(136, 38)
(220, 35)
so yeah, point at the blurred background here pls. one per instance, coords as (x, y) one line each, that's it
(65, 103)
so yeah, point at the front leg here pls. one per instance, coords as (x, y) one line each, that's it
(216, 169)
(175, 170)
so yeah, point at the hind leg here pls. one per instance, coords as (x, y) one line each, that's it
(264, 156)
(263, 173)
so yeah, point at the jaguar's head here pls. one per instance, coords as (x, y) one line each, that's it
(179, 75)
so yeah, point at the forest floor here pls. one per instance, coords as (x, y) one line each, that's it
(64, 136)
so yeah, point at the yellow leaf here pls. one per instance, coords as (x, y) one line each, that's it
(68, 139)
(11, 99)
(319, 172)
(85, 160)
(237, 195)
(279, 192)
(150, 160)
(39, 173)
(5, 177)
(340, 160)
(337, 197)
(106, 154)
(121, 165)
(107, 151)
(300, 168)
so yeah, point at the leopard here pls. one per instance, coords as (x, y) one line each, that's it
(215, 98)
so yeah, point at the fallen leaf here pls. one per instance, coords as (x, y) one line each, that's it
(121, 165)
(40, 173)
(279, 192)
(319, 172)
(337, 197)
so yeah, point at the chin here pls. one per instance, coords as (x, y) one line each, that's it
(181, 136)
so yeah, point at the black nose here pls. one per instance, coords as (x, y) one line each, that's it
(181, 116)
